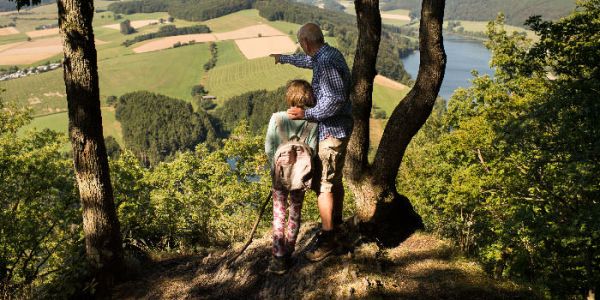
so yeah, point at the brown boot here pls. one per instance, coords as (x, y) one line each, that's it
(322, 246)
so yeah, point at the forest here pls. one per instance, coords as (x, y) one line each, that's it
(516, 12)
(508, 170)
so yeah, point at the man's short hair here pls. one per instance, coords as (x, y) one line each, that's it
(312, 33)
(299, 93)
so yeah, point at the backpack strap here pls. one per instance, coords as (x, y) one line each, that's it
(283, 137)
(306, 131)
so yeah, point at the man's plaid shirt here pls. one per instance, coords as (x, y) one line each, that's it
(331, 86)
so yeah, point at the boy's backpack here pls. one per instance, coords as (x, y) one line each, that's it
(293, 160)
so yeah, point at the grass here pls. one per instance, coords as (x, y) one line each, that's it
(481, 26)
(171, 72)
(235, 21)
(262, 73)
(59, 122)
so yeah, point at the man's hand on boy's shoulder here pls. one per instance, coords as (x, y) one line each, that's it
(276, 56)
(295, 113)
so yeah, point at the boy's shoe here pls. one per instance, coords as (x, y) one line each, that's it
(279, 265)
(323, 245)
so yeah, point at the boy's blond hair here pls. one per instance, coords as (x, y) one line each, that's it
(299, 93)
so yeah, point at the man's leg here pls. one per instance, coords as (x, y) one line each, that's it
(326, 206)
(332, 162)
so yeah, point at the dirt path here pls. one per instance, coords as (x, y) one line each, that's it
(422, 267)
(254, 41)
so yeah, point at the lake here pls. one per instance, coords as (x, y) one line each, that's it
(463, 55)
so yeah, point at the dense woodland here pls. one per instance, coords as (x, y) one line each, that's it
(507, 169)
(516, 11)
(155, 126)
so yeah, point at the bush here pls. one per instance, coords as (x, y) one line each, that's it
(125, 27)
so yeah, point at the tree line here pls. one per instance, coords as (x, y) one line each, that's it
(516, 11)
(168, 30)
(184, 9)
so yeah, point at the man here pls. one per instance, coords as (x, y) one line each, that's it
(331, 85)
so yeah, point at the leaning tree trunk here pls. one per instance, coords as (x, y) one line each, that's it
(383, 213)
(100, 223)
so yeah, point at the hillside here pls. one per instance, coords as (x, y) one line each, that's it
(516, 11)
(422, 267)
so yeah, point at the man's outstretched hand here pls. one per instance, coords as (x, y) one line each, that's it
(295, 113)
(276, 56)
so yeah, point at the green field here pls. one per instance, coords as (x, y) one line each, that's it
(171, 72)
(59, 122)
(481, 26)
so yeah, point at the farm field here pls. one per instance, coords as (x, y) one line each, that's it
(59, 122)
(44, 93)
(481, 26)
(173, 71)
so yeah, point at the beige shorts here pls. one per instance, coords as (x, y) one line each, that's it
(332, 153)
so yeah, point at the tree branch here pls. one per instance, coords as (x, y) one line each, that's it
(412, 112)
(363, 72)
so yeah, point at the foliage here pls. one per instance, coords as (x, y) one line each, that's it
(198, 199)
(111, 100)
(254, 107)
(191, 10)
(125, 27)
(516, 11)
(511, 171)
(113, 149)
(167, 30)
(198, 90)
(40, 222)
(132, 7)
(214, 52)
(156, 126)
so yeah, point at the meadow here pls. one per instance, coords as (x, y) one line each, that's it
(171, 72)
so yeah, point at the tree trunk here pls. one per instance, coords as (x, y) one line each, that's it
(383, 213)
(100, 223)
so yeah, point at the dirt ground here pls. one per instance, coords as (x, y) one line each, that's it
(422, 267)
(263, 46)
(395, 17)
(8, 31)
(250, 32)
(30, 52)
(43, 32)
(134, 24)
(387, 82)
(167, 42)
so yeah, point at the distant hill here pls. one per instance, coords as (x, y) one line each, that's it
(516, 11)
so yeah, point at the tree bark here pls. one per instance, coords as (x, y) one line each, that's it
(100, 223)
(383, 213)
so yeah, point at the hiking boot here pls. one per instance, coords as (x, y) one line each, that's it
(279, 265)
(323, 245)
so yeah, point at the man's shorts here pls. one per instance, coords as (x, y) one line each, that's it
(332, 153)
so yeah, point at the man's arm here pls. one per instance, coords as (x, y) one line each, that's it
(331, 96)
(298, 60)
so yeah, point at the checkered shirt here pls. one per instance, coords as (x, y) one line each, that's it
(331, 86)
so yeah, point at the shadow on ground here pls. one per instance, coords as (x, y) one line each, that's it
(422, 267)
